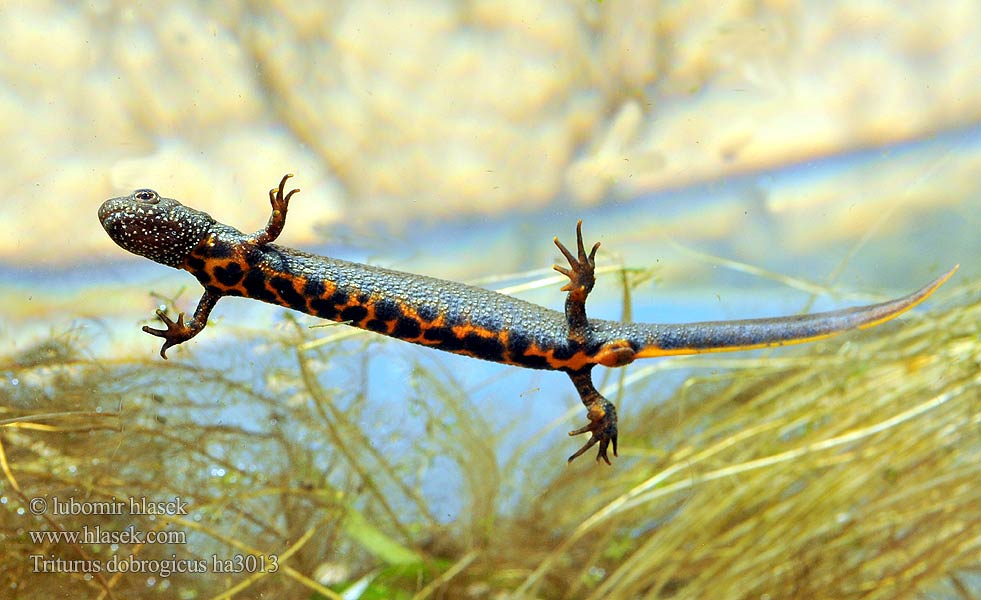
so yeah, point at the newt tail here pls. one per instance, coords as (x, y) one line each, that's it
(441, 314)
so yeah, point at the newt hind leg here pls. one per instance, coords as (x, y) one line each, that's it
(602, 415)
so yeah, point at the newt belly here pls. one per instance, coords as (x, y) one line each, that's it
(442, 314)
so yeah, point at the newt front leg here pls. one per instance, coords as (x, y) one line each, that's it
(178, 332)
(277, 219)
(602, 414)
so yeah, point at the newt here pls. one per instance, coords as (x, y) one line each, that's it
(441, 314)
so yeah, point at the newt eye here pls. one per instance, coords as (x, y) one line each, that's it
(146, 196)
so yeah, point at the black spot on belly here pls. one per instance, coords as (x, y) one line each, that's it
(230, 275)
(517, 344)
(564, 351)
(387, 310)
(204, 277)
(220, 250)
(339, 297)
(377, 325)
(314, 288)
(216, 291)
(406, 328)
(195, 263)
(482, 346)
(323, 308)
(444, 337)
(288, 293)
(593, 347)
(255, 287)
(354, 314)
(532, 362)
(427, 312)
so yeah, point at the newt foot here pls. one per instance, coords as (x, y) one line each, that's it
(603, 427)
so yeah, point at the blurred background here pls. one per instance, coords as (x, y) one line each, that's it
(750, 159)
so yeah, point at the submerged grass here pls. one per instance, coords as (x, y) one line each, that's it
(844, 469)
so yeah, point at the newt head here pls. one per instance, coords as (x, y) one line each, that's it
(161, 229)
